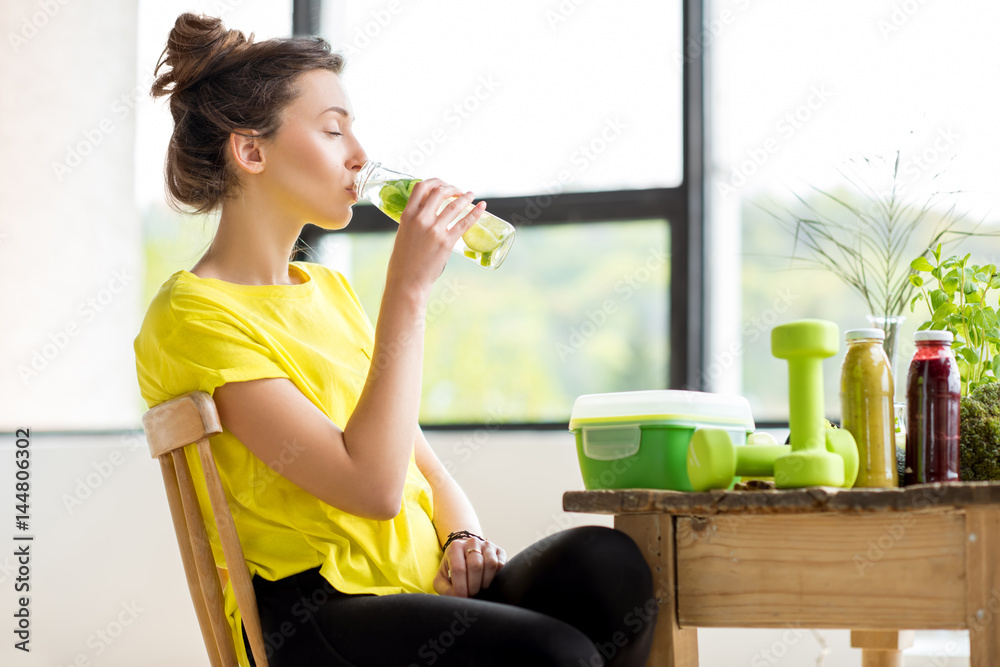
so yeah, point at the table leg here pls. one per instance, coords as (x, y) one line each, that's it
(673, 646)
(882, 648)
(982, 527)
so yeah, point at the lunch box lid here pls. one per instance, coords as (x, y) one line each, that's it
(663, 407)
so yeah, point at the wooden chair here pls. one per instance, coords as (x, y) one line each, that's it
(172, 426)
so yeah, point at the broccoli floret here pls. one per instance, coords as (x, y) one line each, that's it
(980, 434)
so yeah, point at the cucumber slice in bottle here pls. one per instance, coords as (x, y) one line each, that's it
(394, 196)
(480, 239)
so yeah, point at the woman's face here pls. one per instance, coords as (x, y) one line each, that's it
(311, 161)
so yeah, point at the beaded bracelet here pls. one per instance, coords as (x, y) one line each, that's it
(458, 535)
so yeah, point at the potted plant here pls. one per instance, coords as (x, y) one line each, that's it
(867, 237)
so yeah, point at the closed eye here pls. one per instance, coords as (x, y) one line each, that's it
(335, 134)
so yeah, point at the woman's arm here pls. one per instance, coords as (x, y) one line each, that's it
(461, 574)
(452, 509)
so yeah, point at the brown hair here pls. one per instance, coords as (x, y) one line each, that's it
(219, 80)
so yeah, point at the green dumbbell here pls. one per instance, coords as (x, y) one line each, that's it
(804, 344)
(713, 461)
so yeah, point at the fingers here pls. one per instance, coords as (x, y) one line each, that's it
(442, 581)
(430, 197)
(458, 574)
(449, 212)
(474, 567)
(469, 566)
(469, 219)
(494, 559)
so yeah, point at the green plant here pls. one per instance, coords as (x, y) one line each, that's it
(866, 244)
(959, 304)
(980, 434)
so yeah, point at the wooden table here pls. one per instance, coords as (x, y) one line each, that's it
(881, 562)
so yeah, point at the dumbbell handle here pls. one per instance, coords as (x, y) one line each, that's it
(758, 460)
(806, 419)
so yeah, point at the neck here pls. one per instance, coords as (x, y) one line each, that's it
(253, 243)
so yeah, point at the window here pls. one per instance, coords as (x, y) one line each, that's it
(568, 119)
(799, 90)
(576, 309)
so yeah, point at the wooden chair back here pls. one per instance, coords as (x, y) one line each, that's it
(188, 421)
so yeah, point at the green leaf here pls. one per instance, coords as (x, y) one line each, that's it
(973, 298)
(916, 280)
(937, 298)
(944, 310)
(913, 303)
(970, 354)
(926, 325)
(937, 253)
(921, 264)
(996, 365)
(950, 283)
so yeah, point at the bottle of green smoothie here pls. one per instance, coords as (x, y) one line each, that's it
(866, 406)
(486, 243)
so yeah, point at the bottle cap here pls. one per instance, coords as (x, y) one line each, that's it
(857, 334)
(933, 335)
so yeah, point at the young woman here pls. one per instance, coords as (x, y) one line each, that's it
(362, 548)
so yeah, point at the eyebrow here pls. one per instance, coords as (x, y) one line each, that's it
(341, 110)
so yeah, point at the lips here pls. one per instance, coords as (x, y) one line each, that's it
(354, 195)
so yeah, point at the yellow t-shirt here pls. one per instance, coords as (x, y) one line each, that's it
(200, 333)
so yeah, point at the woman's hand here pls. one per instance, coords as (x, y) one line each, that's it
(468, 566)
(424, 242)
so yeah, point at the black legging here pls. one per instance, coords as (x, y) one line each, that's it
(582, 597)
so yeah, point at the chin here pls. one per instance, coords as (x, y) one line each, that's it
(334, 222)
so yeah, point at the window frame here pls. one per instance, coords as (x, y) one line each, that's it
(683, 207)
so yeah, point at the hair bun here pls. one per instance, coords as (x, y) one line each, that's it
(197, 46)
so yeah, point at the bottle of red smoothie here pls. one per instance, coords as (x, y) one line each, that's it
(933, 392)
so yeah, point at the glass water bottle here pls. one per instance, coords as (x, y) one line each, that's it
(486, 243)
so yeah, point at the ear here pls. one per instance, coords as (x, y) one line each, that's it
(246, 150)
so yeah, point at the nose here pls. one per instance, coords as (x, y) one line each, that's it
(358, 157)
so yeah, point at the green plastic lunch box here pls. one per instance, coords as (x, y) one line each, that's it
(639, 439)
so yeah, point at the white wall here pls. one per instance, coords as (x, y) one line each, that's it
(70, 254)
(104, 543)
